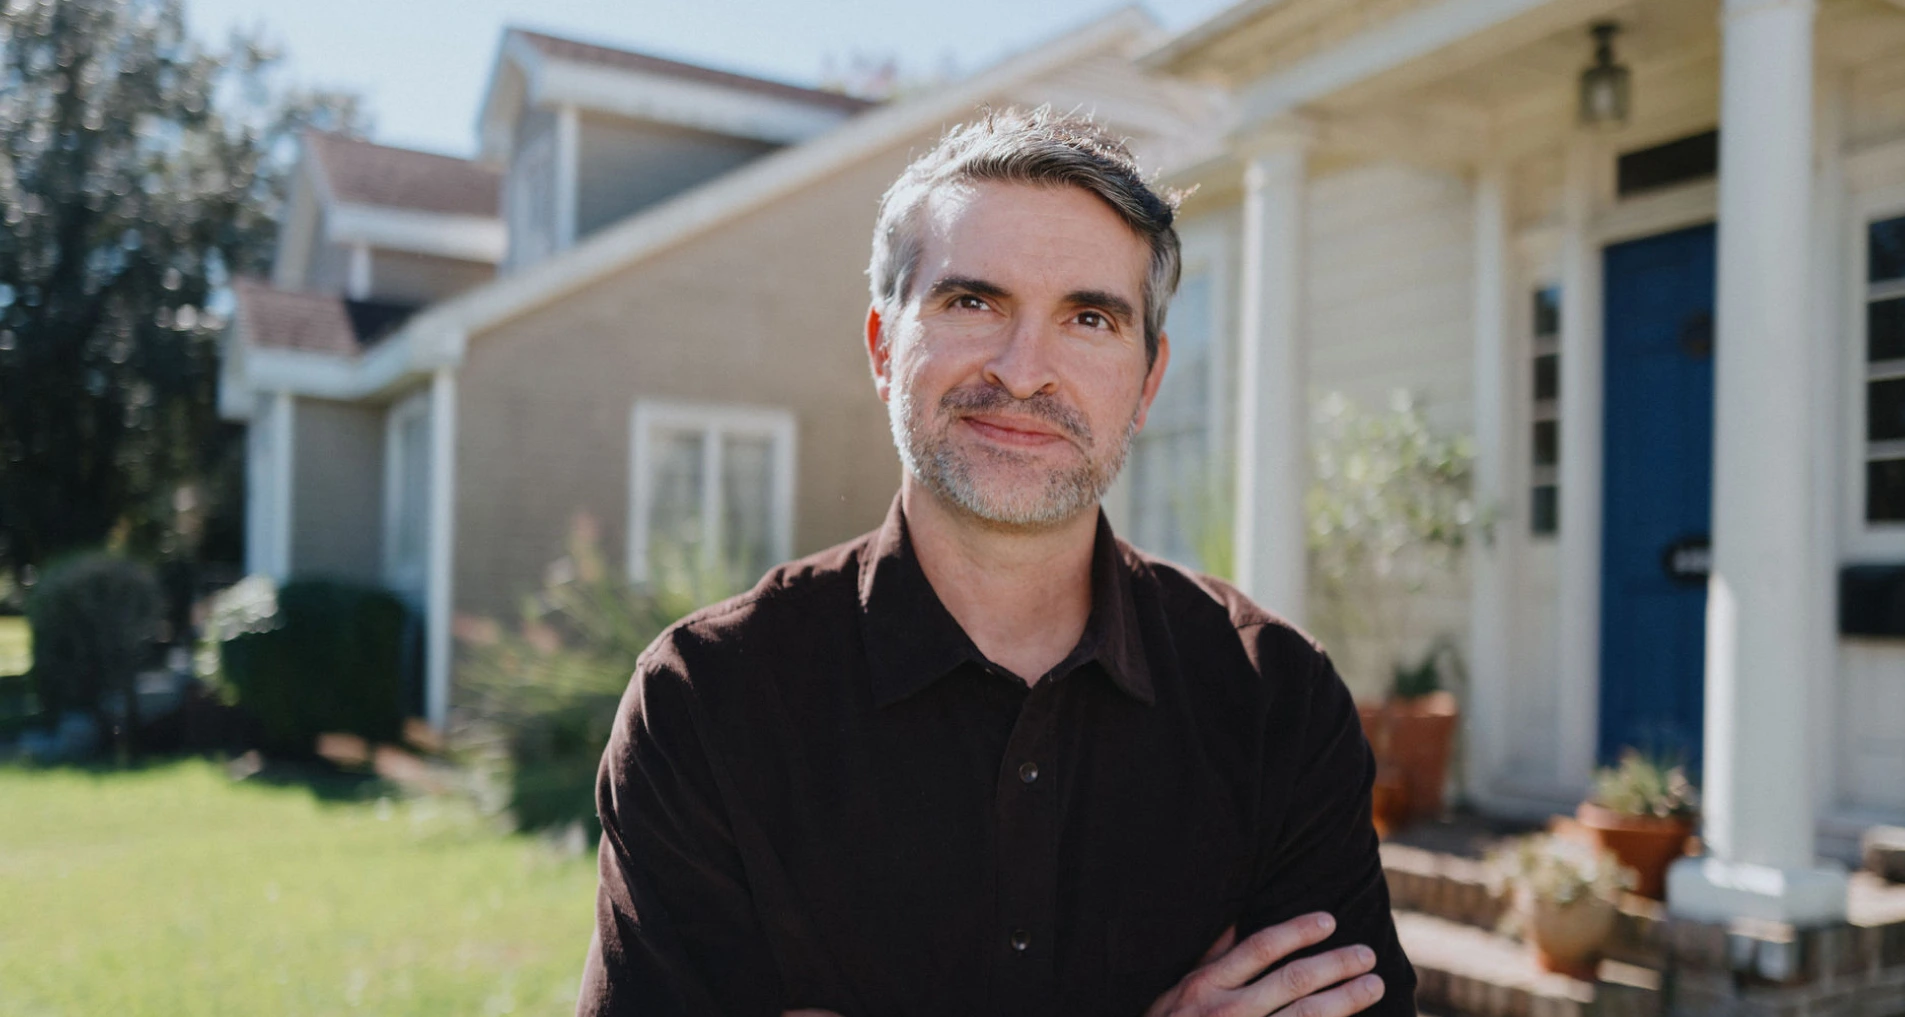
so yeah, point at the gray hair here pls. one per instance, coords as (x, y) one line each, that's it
(1028, 147)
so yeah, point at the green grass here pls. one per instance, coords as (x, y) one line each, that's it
(174, 890)
(16, 645)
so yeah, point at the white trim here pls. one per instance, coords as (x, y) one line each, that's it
(764, 181)
(714, 421)
(1829, 481)
(700, 105)
(463, 237)
(1658, 212)
(568, 167)
(358, 287)
(284, 412)
(438, 605)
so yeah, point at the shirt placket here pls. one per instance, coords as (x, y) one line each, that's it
(1026, 812)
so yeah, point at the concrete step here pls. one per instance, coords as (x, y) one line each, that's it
(1465, 971)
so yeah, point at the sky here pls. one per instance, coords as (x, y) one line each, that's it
(421, 65)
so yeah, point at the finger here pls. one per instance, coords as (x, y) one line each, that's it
(1298, 979)
(1247, 959)
(1348, 998)
(1220, 947)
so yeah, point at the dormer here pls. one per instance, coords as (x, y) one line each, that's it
(372, 223)
(586, 135)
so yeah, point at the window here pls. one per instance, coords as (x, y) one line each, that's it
(407, 495)
(712, 499)
(1177, 511)
(1885, 372)
(1695, 157)
(1545, 458)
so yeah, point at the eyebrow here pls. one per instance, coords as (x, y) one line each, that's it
(1113, 304)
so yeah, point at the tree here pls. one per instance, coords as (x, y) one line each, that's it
(138, 172)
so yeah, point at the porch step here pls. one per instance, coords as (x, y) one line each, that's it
(1464, 971)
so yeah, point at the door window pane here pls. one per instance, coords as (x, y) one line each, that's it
(1885, 329)
(1547, 312)
(1547, 377)
(1547, 442)
(1885, 250)
(1885, 490)
(1544, 511)
(1885, 410)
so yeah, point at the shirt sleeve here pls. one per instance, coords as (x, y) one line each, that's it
(1325, 855)
(675, 926)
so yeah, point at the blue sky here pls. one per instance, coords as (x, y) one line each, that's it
(421, 65)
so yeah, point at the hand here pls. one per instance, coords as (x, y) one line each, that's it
(1225, 980)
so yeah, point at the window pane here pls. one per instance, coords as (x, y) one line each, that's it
(1547, 442)
(675, 529)
(1548, 311)
(1885, 410)
(1547, 377)
(747, 490)
(1184, 398)
(1544, 510)
(1886, 250)
(1173, 506)
(413, 491)
(1885, 490)
(1885, 329)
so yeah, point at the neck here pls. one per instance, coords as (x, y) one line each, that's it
(1022, 595)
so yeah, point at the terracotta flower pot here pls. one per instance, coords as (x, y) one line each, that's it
(1567, 937)
(1389, 802)
(1411, 739)
(1646, 844)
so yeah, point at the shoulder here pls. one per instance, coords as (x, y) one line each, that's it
(1204, 604)
(807, 600)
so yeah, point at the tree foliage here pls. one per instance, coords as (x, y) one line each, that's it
(139, 171)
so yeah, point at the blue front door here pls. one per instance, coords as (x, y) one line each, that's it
(1658, 490)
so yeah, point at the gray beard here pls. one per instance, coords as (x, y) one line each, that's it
(949, 471)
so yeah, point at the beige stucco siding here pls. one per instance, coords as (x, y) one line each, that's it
(337, 490)
(764, 311)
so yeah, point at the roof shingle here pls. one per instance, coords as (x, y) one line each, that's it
(313, 322)
(361, 172)
(585, 52)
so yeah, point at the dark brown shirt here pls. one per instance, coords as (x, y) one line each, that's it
(821, 794)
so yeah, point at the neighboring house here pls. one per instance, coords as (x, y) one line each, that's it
(672, 347)
(1409, 197)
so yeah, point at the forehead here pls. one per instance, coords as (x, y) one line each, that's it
(1026, 236)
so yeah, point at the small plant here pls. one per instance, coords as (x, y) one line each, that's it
(94, 619)
(1644, 785)
(1557, 870)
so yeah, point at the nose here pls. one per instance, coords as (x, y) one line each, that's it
(1022, 365)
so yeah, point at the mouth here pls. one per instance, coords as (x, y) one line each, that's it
(1016, 432)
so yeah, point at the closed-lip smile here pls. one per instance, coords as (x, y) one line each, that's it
(1013, 430)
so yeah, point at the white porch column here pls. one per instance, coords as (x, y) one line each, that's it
(1272, 392)
(440, 561)
(1491, 560)
(1760, 685)
(1577, 695)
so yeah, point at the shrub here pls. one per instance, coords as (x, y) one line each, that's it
(322, 655)
(539, 700)
(94, 618)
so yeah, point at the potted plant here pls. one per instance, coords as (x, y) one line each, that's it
(1389, 516)
(1643, 810)
(1564, 895)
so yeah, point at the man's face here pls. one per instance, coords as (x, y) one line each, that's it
(1014, 373)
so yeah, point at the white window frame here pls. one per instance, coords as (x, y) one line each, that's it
(1864, 539)
(406, 577)
(714, 421)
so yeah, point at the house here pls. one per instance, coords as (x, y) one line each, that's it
(669, 343)
(1651, 255)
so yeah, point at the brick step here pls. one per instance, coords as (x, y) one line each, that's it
(1466, 971)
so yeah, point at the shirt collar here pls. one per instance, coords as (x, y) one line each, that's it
(913, 641)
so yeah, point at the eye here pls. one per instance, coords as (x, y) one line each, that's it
(968, 302)
(1093, 320)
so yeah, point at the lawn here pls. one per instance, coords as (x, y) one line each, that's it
(174, 889)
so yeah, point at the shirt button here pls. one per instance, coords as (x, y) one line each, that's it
(1021, 940)
(1028, 772)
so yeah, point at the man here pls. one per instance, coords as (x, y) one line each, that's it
(987, 759)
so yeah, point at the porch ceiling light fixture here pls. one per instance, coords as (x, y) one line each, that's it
(1605, 86)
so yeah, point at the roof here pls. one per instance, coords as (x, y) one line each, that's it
(313, 322)
(361, 172)
(628, 60)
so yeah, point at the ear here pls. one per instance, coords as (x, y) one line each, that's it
(879, 354)
(1153, 378)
